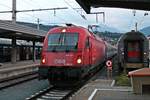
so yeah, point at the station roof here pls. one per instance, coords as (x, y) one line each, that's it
(140, 72)
(9, 29)
(131, 4)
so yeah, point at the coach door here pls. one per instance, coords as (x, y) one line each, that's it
(134, 51)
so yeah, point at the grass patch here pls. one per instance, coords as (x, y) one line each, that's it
(123, 80)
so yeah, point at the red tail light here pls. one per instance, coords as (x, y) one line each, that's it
(43, 61)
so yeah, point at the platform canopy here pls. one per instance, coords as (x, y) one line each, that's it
(131, 4)
(9, 30)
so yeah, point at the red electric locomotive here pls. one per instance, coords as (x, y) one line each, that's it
(69, 53)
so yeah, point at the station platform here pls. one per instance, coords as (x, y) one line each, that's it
(103, 89)
(9, 70)
(9, 65)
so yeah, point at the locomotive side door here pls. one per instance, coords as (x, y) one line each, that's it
(87, 51)
(125, 50)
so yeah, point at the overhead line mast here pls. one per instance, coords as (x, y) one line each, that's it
(34, 10)
(14, 11)
(96, 13)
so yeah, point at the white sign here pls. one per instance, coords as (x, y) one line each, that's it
(109, 63)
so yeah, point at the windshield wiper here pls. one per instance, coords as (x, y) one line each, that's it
(52, 48)
(59, 42)
(76, 46)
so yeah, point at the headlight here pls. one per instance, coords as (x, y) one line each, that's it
(43, 61)
(79, 60)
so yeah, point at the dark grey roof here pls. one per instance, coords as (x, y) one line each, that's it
(131, 4)
(9, 29)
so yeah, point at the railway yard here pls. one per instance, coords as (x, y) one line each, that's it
(108, 79)
(98, 86)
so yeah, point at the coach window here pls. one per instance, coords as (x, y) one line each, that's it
(87, 43)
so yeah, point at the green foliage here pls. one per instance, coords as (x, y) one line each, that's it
(123, 80)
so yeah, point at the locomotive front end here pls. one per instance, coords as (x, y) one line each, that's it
(61, 57)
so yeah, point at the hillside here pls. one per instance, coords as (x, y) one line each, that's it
(146, 30)
(104, 28)
(108, 34)
(41, 26)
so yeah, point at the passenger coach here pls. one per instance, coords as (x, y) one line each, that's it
(133, 50)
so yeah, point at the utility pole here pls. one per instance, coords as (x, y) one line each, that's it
(32, 10)
(97, 13)
(13, 42)
(134, 12)
(14, 11)
(38, 24)
(136, 24)
(54, 12)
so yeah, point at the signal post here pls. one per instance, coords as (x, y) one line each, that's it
(109, 69)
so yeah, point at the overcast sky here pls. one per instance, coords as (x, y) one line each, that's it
(121, 19)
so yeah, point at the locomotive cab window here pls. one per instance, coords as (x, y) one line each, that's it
(62, 41)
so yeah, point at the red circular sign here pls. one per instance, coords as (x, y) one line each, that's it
(109, 63)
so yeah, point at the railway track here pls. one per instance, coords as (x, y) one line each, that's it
(55, 93)
(52, 93)
(9, 82)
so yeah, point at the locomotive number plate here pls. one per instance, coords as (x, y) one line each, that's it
(59, 61)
